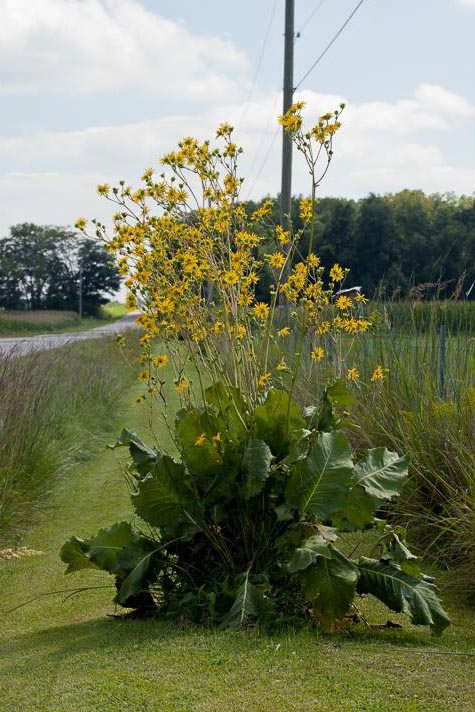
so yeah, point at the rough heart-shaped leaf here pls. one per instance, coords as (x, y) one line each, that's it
(164, 500)
(229, 403)
(74, 553)
(358, 511)
(402, 593)
(279, 422)
(310, 549)
(143, 456)
(382, 473)
(329, 584)
(140, 563)
(319, 484)
(256, 464)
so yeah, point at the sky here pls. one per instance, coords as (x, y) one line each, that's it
(94, 91)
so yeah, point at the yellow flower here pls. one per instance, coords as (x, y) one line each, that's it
(182, 385)
(261, 310)
(217, 327)
(318, 353)
(313, 260)
(343, 302)
(378, 373)
(239, 331)
(282, 366)
(200, 440)
(306, 209)
(361, 299)
(160, 360)
(277, 260)
(216, 438)
(283, 236)
(80, 224)
(323, 328)
(103, 189)
(337, 273)
(263, 380)
(282, 333)
(352, 374)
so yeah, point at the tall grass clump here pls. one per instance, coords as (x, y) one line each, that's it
(49, 404)
(426, 407)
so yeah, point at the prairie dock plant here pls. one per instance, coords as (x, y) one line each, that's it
(244, 526)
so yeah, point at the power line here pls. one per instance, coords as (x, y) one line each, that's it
(259, 64)
(310, 17)
(334, 38)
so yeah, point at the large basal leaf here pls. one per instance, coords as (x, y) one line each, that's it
(403, 593)
(319, 484)
(249, 605)
(230, 404)
(257, 460)
(335, 398)
(329, 584)
(140, 562)
(382, 473)
(279, 422)
(164, 500)
(143, 456)
(200, 437)
(358, 511)
(102, 551)
(74, 553)
(310, 549)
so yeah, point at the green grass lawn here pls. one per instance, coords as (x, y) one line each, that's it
(67, 654)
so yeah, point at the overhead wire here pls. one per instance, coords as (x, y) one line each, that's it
(310, 17)
(332, 41)
(259, 64)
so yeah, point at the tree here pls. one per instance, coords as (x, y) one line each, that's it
(45, 267)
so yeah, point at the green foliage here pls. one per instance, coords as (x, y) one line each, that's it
(246, 526)
(47, 267)
(49, 402)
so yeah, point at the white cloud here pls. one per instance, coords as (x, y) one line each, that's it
(466, 3)
(107, 45)
(382, 147)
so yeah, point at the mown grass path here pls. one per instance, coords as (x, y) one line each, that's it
(68, 655)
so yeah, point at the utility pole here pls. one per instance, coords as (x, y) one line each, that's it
(286, 185)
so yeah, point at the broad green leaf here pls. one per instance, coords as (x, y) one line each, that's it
(230, 404)
(335, 397)
(279, 422)
(319, 484)
(141, 562)
(199, 432)
(164, 500)
(329, 584)
(403, 593)
(249, 605)
(398, 551)
(143, 456)
(256, 464)
(358, 511)
(74, 552)
(105, 547)
(382, 473)
(310, 549)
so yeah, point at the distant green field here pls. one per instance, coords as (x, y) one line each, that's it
(28, 323)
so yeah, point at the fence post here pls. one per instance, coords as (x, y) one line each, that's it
(441, 360)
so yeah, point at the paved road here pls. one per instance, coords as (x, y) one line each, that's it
(21, 345)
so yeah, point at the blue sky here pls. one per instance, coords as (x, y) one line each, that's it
(96, 90)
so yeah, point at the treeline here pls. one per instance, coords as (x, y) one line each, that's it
(49, 267)
(402, 245)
